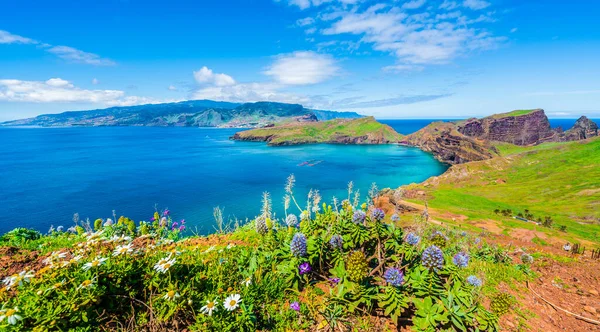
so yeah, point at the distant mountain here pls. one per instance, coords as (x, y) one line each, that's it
(193, 113)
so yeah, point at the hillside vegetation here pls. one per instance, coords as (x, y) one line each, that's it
(556, 180)
(356, 131)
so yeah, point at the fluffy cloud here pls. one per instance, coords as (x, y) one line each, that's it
(58, 90)
(413, 4)
(305, 4)
(301, 68)
(8, 38)
(206, 76)
(419, 38)
(78, 56)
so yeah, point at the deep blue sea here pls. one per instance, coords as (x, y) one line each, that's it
(48, 174)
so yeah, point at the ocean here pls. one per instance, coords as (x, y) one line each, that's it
(49, 174)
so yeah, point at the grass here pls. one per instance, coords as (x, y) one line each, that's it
(513, 113)
(561, 180)
(365, 130)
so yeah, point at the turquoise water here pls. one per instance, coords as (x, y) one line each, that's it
(48, 174)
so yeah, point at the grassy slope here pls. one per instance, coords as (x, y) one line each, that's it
(561, 180)
(513, 113)
(326, 131)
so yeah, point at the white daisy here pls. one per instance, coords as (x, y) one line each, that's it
(123, 250)
(95, 263)
(232, 302)
(231, 245)
(209, 307)
(87, 284)
(171, 295)
(165, 264)
(247, 282)
(10, 315)
(55, 256)
(18, 279)
(211, 248)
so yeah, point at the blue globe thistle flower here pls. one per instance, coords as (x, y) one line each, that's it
(395, 217)
(461, 259)
(359, 216)
(336, 242)
(298, 245)
(477, 240)
(413, 239)
(438, 234)
(433, 258)
(291, 220)
(474, 281)
(377, 214)
(304, 268)
(463, 233)
(394, 277)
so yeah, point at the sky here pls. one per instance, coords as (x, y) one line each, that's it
(389, 59)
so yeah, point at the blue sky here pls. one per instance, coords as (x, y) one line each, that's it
(391, 59)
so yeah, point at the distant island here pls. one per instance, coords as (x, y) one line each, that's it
(192, 113)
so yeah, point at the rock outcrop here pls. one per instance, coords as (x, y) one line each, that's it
(584, 128)
(448, 145)
(518, 127)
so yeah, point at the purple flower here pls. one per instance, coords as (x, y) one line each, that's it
(394, 276)
(152, 219)
(304, 268)
(295, 306)
(359, 217)
(182, 221)
(182, 228)
(298, 245)
(413, 239)
(377, 214)
(433, 258)
(334, 280)
(474, 281)
(461, 259)
(166, 212)
(174, 226)
(395, 217)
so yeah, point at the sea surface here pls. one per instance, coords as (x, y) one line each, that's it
(49, 174)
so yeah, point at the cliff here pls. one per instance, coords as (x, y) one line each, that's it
(341, 131)
(523, 127)
(584, 128)
(449, 145)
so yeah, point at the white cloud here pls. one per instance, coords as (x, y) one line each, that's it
(206, 76)
(249, 92)
(415, 39)
(78, 56)
(414, 4)
(95, 81)
(402, 68)
(300, 68)
(476, 4)
(58, 90)
(513, 30)
(172, 88)
(449, 5)
(305, 4)
(8, 38)
(305, 21)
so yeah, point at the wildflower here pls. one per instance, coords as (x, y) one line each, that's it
(477, 240)
(291, 220)
(304, 268)
(413, 239)
(10, 315)
(123, 250)
(163, 222)
(231, 245)
(18, 279)
(334, 280)
(55, 256)
(166, 212)
(60, 229)
(298, 245)
(247, 282)
(171, 295)
(359, 217)
(394, 277)
(377, 214)
(526, 259)
(463, 233)
(260, 223)
(165, 264)
(95, 263)
(474, 281)
(304, 215)
(461, 259)
(182, 228)
(395, 217)
(58, 285)
(75, 259)
(87, 284)
(119, 239)
(433, 258)
(357, 266)
(336, 241)
(209, 307)
(174, 226)
(295, 306)
(108, 222)
(232, 302)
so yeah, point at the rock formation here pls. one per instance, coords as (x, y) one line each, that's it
(584, 128)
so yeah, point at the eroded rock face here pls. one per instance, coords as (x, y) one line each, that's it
(584, 128)
(525, 129)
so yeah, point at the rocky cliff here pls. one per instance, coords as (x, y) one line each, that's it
(519, 127)
(448, 145)
(584, 128)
